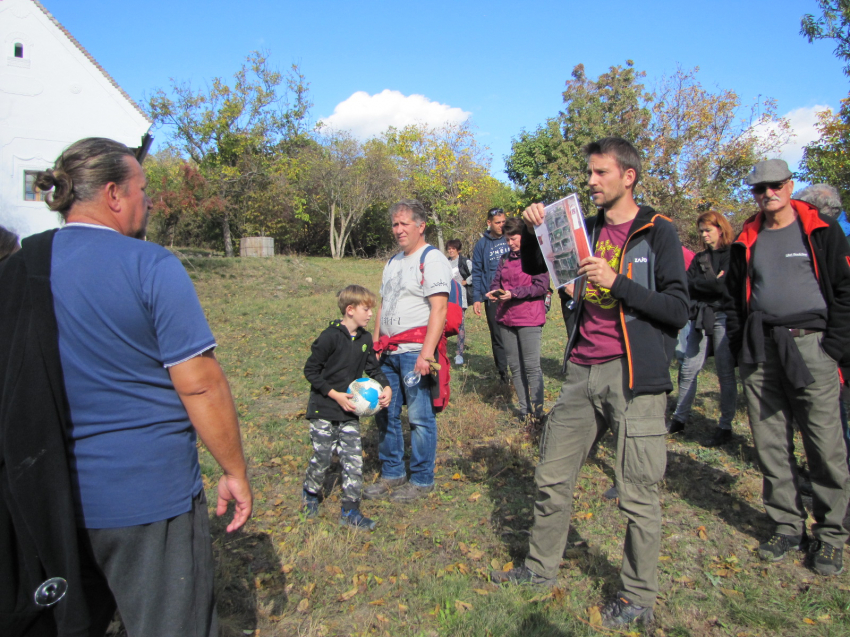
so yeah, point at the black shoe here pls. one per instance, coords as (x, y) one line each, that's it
(675, 426)
(521, 575)
(621, 612)
(720, 437)
(611, 494)
(777, 546)
(383, 488)
(826, 559)
(309, 504)
(410, 492)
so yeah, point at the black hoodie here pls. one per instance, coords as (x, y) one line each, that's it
(653, 293)
(335, 361)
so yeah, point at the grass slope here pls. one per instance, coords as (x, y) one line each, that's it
(424, 570)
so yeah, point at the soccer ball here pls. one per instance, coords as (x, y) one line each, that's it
(364, 394)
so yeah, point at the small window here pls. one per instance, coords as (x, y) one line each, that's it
(31, 192)
(19, 50)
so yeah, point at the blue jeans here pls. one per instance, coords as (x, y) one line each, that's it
(420, 415)
(724, 363)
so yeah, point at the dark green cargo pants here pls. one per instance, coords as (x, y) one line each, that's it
(592, 399)
(773, 406)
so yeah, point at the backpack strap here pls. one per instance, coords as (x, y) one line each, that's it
(422, 263)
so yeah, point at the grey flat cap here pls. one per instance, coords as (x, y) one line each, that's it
(767, 171)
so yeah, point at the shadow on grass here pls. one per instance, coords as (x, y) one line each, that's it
(249, 582)
(708, 488)
(536, 624)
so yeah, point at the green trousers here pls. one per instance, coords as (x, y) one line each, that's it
(594, 398)
(773, 406)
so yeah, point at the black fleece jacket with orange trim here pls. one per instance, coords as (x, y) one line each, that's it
(831, 255)
(652, 289)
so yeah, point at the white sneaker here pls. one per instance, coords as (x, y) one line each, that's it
(458, 360)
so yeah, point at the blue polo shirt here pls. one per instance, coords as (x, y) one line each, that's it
(126, 311)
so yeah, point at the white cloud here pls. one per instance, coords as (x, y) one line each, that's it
(369, 115)
(802, 122)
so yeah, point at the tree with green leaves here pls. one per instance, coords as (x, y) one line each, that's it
(346, 179)
(233, 132)
(825, 160)
(833, 24)
(441, 166)
(697, 144)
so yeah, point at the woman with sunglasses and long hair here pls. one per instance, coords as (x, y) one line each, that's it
(707, 288)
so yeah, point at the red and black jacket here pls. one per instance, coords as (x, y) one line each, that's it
(831, 257)
(652, 290)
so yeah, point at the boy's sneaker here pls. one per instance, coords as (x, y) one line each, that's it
(410, 492)
(826, 559)
(521, 575)
(310, 504)
(458, 360)
(355, 519)
(620, 612)
(777, 546)
(382, 488)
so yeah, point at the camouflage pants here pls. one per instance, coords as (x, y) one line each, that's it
(344, 437)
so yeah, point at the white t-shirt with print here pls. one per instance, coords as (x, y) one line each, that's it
(404, 302)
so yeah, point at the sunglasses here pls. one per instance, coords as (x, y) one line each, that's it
(760, 189)
(495, 212)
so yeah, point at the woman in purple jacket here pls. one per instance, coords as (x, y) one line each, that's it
(521, 314)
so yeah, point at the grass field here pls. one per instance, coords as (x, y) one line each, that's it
(424, 570)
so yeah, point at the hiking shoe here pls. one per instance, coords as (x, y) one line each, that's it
(310, 504)
(458, 360)
(777, 546)
(521, 575)
(675, 426)
(611, 494)
(410, 492)
(826, 558)
(720, 437)
(356, 520)
(619, 612)
(382, 488)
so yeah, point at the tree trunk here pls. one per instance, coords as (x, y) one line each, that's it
(440, 242)
(333, 233)
(225, 231)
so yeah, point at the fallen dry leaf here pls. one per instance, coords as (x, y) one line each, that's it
(304, 605)
(594, 616)
(463, 548)
(508, 567)
(401, 527)
(683, 580)
(382, 619)
(558, 593)
(474, 497)
(334, 570)
(377, 602)
(278, 502)
(475, 554)
(731, 592)
(348, 595)
(287, 568)
(481, 591)
(308, 590)
(701, 534)
(462, 607)
(402, 609)
(456, 476)
(811, 622)
(824, 619)
(495, 564)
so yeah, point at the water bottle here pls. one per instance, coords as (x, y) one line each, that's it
(412, 378)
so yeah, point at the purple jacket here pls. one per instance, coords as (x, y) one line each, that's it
(525, 307)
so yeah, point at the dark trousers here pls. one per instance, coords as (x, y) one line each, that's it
(499, 355)
(159, 575)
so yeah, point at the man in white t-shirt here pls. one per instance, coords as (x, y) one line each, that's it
(410, 322)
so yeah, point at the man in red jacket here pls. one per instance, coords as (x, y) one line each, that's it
(789, 327)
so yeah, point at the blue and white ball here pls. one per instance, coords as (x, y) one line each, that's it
(364, 394)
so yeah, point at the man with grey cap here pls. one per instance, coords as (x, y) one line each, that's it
(789, 327)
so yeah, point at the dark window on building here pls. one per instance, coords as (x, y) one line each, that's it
(31, 193)
(19, 50)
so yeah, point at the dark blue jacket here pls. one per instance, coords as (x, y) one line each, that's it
(485, 259)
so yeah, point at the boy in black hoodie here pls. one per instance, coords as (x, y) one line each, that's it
(339, 356)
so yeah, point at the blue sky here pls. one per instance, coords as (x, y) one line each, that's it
(503, 64)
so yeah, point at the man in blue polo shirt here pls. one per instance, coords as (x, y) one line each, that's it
(141, 381)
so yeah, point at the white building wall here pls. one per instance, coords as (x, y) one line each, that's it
(50, 98)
